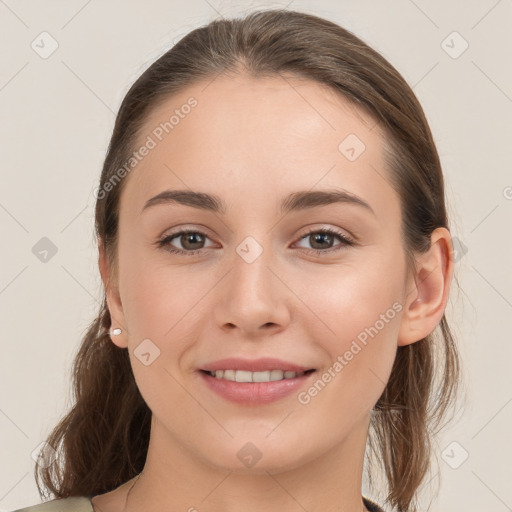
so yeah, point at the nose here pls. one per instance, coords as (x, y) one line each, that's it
(254, 300)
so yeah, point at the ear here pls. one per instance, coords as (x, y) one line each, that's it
(428, 289)
(114, 303)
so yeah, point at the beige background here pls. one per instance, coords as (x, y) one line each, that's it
(57, 116)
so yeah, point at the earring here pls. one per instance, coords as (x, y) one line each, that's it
(116, 332)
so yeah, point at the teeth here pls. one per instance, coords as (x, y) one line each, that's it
(245, 376)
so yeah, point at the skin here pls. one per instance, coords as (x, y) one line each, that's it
(252, 142)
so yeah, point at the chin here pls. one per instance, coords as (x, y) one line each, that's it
(258, 457)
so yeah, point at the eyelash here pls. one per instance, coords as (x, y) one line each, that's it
(345, 241)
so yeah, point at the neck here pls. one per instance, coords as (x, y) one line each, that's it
(174, 478)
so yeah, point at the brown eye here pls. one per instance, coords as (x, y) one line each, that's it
(190, 242)
(322, 241)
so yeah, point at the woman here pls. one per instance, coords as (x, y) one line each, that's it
(277, 260)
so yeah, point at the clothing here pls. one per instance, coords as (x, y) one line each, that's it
(371, 506)
(73, 504)
(83, 504)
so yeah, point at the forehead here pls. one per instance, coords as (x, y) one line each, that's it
(258, 137)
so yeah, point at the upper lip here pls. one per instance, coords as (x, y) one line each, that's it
(254, 365)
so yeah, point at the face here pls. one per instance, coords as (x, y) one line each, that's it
(260, 277)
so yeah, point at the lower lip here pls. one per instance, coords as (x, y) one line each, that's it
(254, 393)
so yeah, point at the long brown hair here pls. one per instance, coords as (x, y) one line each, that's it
(103, 441)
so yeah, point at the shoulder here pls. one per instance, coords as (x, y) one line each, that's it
(72, 504)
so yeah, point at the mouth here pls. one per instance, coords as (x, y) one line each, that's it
(246, 388)
(255, 377)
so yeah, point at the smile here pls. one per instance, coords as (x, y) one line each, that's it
(247, 376)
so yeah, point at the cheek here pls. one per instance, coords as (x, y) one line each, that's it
(161, 308)
(156, 295)
(166, 305)
(360, 356)
(358, 312)
(346, 299)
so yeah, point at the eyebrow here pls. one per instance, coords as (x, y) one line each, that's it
(296, 201)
